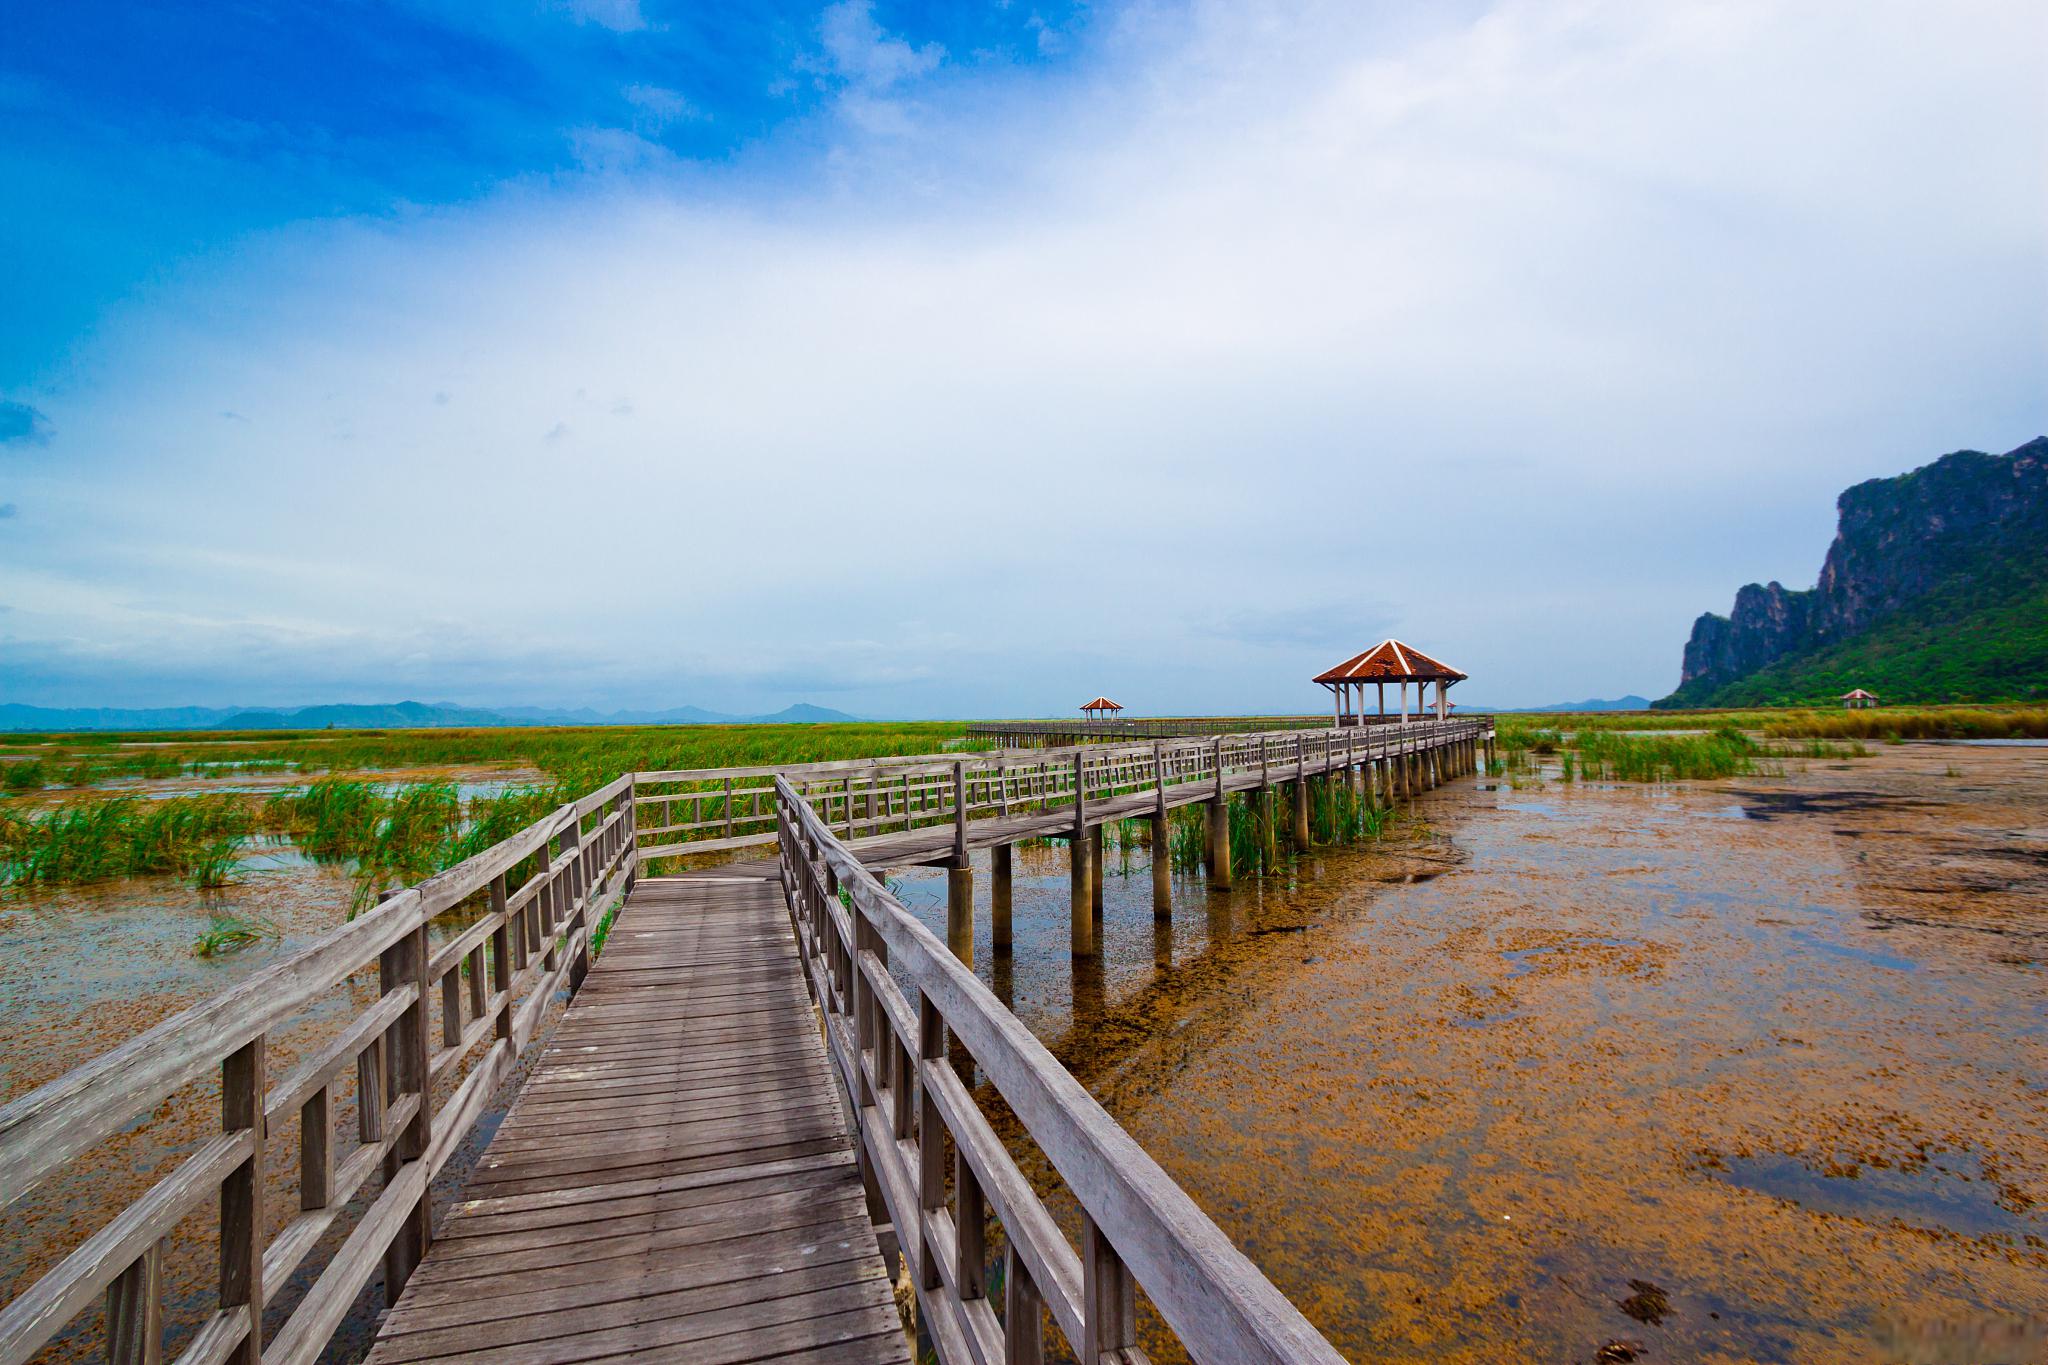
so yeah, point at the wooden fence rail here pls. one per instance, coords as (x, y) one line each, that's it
(492, 982)
(889, 1047)
(715, 810)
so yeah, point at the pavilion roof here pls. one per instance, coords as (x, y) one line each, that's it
(1102, 704)
(1858, 695)
(1391, 661)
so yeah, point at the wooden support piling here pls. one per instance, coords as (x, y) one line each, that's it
(1162, 868)
(1081, 910)
(999, 877)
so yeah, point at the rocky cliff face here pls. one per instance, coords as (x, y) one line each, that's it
(1898, 541)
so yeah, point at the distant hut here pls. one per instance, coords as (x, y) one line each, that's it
(1102, 708)
(1859, 699)
(1389, 661)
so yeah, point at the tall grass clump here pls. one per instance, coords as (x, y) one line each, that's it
(196, 836)
(1339, 815)
(1187, 837)
(1666, 758)
(226, 933)
(332, 819)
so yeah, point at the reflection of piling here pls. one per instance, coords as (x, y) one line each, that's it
(999, 873)
(1090, 989)
(1002, 979)
(1219, 843)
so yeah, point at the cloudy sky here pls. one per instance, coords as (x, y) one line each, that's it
(975, 359)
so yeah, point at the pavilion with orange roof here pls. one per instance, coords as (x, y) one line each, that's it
(1389, 661)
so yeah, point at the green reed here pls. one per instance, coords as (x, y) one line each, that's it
(226, 933)
(122, 836)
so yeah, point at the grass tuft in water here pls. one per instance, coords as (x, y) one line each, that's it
(228, 933)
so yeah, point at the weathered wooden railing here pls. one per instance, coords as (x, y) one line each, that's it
(714, 810)
(891, 996)
(1033, 732)
(491, 982)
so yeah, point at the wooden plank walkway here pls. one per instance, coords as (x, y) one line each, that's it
(677, 1180)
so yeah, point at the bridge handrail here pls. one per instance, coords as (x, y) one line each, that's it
(505, 969)
(875, 796)
(1139, 1229)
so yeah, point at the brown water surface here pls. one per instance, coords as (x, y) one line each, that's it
(1743, 1070)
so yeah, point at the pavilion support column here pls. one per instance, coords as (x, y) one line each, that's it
(1302, 839)
(1219, 843)
(1095, 871)
(999, 875)
(960, 912)
(1082, 904)
(1162, 868)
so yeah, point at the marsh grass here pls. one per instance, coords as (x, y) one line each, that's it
(195, 836)
(226, 933)
(1338, 815)
(1667, 758)
(390, 838)
(575, 757)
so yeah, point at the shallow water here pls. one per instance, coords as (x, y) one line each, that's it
(1776, 1048)
(82, 969)
(1545, 1047)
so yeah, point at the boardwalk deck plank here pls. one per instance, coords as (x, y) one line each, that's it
(677, 1180)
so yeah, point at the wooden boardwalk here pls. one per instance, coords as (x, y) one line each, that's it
(677, 1180)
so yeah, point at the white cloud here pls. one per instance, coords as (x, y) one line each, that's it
(620, 16)
(659, 106)
(862, 52)
(1524, 339)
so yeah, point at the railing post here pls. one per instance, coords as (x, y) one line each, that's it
(1023, 1314)
(931, 1143)
(135, 1311)
(402, 964)
(1109, 1318)
(581, 893)
(960, 876)
(243, 1227)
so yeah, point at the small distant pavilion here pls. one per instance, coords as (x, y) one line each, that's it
(1101, 708)
(1859, 699)
(1389, 661)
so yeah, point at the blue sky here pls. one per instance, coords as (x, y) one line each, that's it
(975, 358)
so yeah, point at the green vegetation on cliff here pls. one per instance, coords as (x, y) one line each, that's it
(1935, 590)
(1944, 649)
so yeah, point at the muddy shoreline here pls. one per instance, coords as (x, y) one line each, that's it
(1753, 1069)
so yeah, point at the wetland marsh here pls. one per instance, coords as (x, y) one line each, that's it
(1556, 1067)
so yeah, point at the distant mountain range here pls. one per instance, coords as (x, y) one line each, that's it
(404, 715)
(1628, 703)
(1935, 589)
